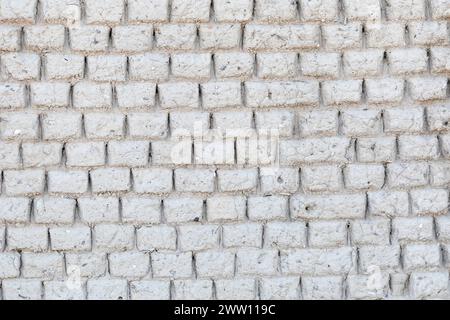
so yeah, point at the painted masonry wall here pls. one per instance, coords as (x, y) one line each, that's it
(267, 149)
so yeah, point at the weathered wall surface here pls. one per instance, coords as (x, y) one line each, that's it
(246, 149)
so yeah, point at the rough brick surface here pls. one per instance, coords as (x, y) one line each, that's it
(224, 149)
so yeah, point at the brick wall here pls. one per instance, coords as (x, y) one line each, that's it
(245, 149)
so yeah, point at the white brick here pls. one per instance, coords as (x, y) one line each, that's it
(128, 153)
(173, 265)
(242, 235)
(320, 64)
(364, 177)
(234, 65)
(428, 33)
(149, 66)
(332, 149)
(379, 258)
(14, 210)
(257, 262)
(373, 287)
(19, 11)
(12, 96)
(107, 68)
(24, 125)
(440, 60)
(191, 65)
(104, 11)
(193, 289)
(54, 210)
(418, 147)
(46, 266)
(147, 124)
(110, 237)
(429, 285)
(370, 232)
(61, 125)
(136, 95)
(139, 210)
(98, 209)
(150, 290)
(148, 10)
(190, 10)
(321, 178)
(221, 95)
(132, 38)
(339, 206)
(429, 201)
(129, 264)
(318, 122)
(29, 181)
(237, 180)
(376, 149)
(281, 37)
(107, 289)
(387, 90)
(85, 154)
(61, 11)
(388, 204)
(21, 289)
(41, 154)
(275, 94)
(73, 181)
(220, 36)
(88, 264)
(363, 63)
(244, 289)
(76, 238)
(89, 38)
(426, 88)
(285, 234)
(327, 234)
(194, 180)
(405, 9)
(226, 208)
(342, 91)
(154, 180)
(342, 36)
(419, 229)
(59, 290)
(322, 288)
(154, 238)
(176, 36)
(388, 34)
(9, 38)
(361, 122)
(318, 261)
(319, 10)
(212, 263)
(104, 125)
(362, 10)
(88, 95)
(179, 95)
(10, 264)
(267, 207)
(280, 288)
(9, 155)
(183, 209)
(44, 37)
(196, 237)
(50, 95)
(407, 174)
(233, 11)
